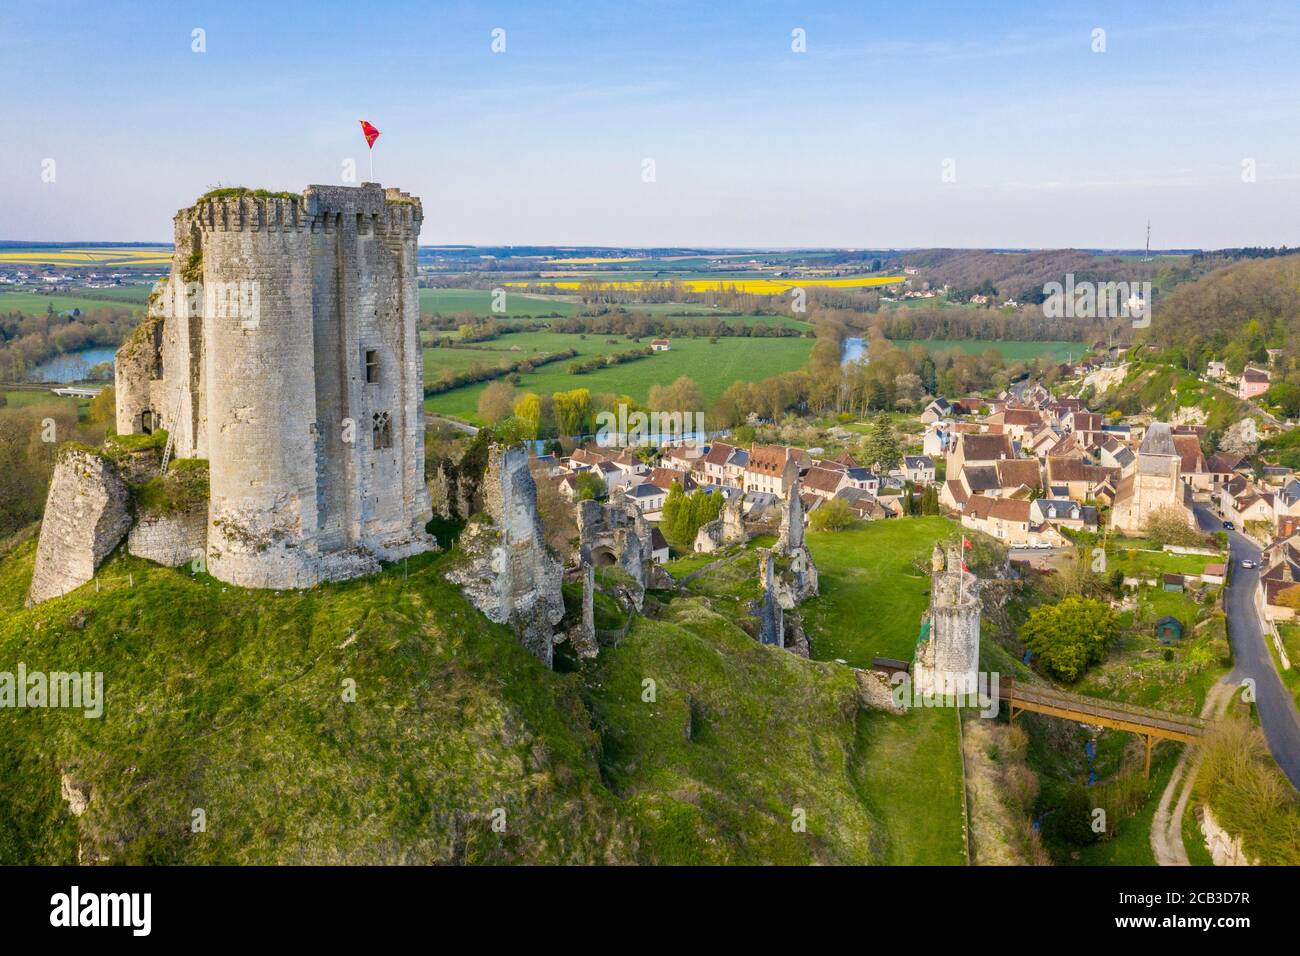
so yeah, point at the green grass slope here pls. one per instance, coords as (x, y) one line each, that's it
(233, 702)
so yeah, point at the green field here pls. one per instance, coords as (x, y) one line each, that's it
(479, 302)
(25, 398)
(872, 596)
(870, 602)
(34, 303)
(1011, 351)
(713, 366)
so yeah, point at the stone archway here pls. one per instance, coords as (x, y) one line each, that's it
(148, 421)
(603, 557)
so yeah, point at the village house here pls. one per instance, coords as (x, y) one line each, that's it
(1219, 470)
(936, 439)
(918, 469)
(938, 409)
(1018, 422)
(1253, 383)
(658, 546)
(863, 479)
(1063, 513)
(1251, 505)
(771, 469)
(863, 505)
(660, 345)
(1009, 520)
(1280, 579)
(724, 465)
(1112, 453)
(663, 479)
(822, 482)
(985, 449)
(648, 497)
(1076, 479)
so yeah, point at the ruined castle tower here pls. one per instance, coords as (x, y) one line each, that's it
(948, 662)
(284, 348)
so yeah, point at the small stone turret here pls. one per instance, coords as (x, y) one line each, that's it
(948, 663)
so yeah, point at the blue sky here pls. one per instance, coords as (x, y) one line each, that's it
(753, 144)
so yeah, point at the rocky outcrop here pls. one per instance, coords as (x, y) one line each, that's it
(87, 512)
(1240, 438)
(1223, 846)
(505, 568)
(875, 692)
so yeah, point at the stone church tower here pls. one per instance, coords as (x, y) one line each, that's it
(284, 349)
(1155, 486)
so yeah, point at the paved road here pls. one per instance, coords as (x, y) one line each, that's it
(1277, 710)
(467, 428)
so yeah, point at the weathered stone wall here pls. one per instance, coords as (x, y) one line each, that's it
(136, 364)
(617, 534)
(170, 538)
(87, 512)
(727, 529)
(506, 569)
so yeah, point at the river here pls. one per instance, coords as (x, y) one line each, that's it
(71, 366)
(854, 349)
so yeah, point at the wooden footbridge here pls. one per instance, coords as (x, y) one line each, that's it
(1147, 723)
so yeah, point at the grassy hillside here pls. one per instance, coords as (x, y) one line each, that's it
(232, 701)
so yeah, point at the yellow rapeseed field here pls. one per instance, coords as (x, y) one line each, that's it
(748, 286)
(107, 257)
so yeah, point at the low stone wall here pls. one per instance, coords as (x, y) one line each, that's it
(87, 512)
(170, 539)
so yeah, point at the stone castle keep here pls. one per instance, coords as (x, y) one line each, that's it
(283, 348)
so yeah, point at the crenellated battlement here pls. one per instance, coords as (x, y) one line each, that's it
(370, 209)
(283, 347)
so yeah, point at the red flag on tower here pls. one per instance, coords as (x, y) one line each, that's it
(965, 543)
(370, 133)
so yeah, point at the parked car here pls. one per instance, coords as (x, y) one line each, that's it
(1248, 564)
(1228, 526)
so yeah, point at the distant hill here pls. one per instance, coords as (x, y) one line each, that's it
(1232, 314)
(1022, 275)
